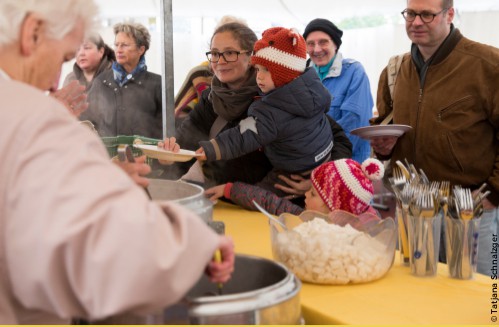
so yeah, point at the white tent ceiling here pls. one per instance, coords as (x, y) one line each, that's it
(299, 10)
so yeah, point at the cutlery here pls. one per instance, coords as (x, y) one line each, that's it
(125, 154)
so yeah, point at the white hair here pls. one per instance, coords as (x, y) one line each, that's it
(231, 19)
(61, 16)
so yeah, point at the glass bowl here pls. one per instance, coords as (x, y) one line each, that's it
(327, 250)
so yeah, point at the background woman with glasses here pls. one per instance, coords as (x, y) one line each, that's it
(224, 105)
(197, 80)
(126, 100)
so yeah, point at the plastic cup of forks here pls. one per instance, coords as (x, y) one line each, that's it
(424, 243)
(461, 246)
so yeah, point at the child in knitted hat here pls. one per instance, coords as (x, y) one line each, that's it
(338, 186)
(289, 120)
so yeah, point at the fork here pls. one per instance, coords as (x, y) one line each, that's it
(428, 213)
(444, 191)
(397, 181)
(404, 170)
(406, 197)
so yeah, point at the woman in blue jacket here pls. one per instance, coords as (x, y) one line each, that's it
(346, 80)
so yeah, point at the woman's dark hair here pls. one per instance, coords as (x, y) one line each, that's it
(242, 33)
(100, 44)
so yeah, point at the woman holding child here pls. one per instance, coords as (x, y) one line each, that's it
(225, 104)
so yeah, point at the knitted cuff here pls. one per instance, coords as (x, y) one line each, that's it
(209, 151)
(227, 189)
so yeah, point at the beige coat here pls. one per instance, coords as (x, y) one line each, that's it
(77, 237)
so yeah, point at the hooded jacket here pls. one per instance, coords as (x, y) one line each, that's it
(453, 108)
(290, 124)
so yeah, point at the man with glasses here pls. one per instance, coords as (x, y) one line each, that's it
(352, 103)
(447, 90)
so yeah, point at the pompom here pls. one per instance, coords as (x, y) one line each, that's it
(373, 169)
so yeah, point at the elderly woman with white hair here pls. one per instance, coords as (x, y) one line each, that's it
(127, 99)
(78, 238)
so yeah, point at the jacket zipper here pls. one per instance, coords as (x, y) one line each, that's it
(420, 100)
(444, 110)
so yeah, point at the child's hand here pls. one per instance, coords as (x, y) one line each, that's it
(169, 144)
(215, 192)
(202, 155)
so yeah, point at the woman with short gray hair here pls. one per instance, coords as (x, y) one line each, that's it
(126, 100)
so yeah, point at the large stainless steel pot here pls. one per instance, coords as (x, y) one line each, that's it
(261, 291)
(187, 194)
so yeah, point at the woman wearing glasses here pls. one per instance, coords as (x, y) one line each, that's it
(126, 100)
(223, 106)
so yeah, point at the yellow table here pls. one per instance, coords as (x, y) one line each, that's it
(398, 298)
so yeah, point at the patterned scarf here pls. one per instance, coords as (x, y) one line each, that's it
(122, 77)
(232, 104)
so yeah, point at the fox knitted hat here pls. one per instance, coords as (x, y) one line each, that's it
(325, 26)
(283, 52)
(347, 185)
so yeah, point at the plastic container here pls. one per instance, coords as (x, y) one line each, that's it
(318, 251)
(424, 244)
(112, 143)
(461, 245)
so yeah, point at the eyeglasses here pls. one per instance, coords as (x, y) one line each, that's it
(426, 16)
(229, 55)
(322, 43)
(124, 46)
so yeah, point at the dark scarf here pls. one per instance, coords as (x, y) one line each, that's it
(122, 77)
(232, 104)
(442, 52)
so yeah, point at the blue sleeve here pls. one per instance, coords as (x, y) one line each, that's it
(352, 104)
(356, 103)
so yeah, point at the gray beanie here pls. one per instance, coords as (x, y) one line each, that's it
(324, 25)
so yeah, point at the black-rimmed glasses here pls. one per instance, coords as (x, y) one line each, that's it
(426, 16)
(229, 55)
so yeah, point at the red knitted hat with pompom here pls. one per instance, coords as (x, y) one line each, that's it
(347, 185)
(283, 52)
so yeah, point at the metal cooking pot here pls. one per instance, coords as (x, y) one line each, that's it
(261, 291)
(186, 194)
